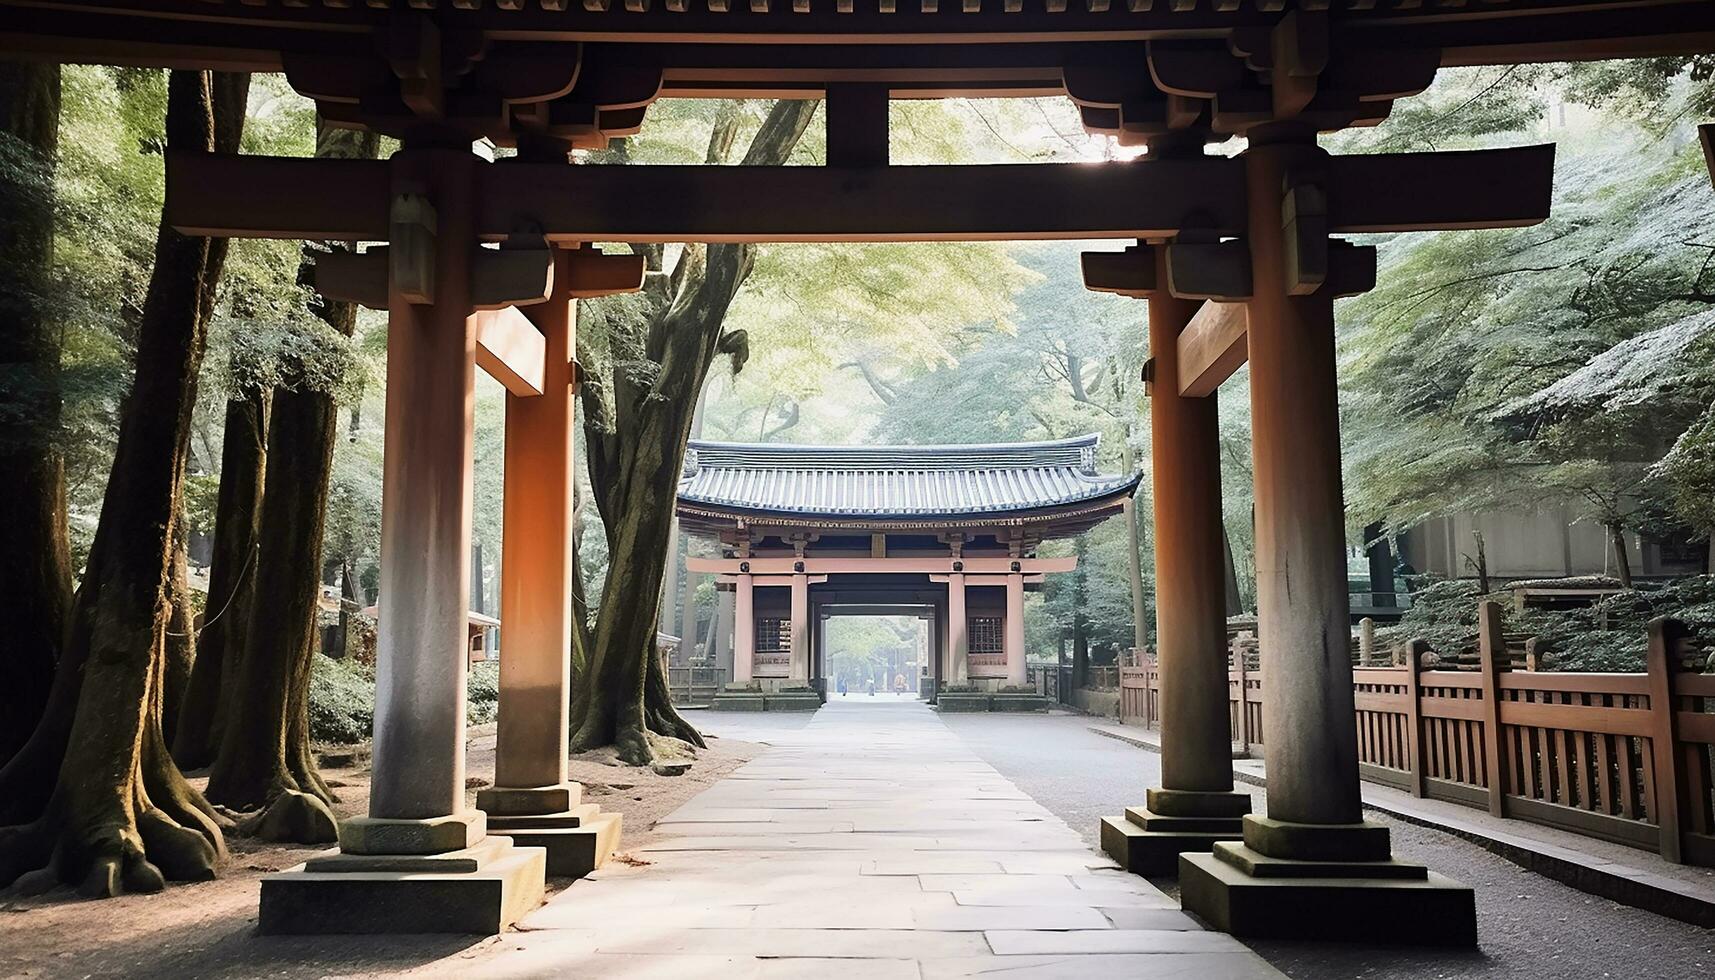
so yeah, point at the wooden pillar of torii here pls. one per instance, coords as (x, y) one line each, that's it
(452, 307)
(1195, 805)
(1312, 867)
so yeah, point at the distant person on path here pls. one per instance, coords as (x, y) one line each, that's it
(899, 683)
(842, 687)
(871, 685)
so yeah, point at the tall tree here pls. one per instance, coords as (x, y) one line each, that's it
(35, 576)
(232, 574)
(637, 418)
(121, 817)
(266, 762)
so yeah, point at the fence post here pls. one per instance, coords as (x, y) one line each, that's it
(1669, 804)
(1149, 693)
(1243, 698)
(1490, 644)
(1414, 755)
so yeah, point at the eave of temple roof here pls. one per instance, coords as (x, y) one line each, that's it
(920, 485)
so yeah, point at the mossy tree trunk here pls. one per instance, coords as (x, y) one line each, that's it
(122, 817)
(267, 762)
(232, 577)
(637, 419)
(35, 572)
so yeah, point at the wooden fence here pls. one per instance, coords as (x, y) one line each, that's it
(1621, 757)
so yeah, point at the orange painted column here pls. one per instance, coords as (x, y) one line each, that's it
(536, 559)
(800, 664)
(420, 659)
(958, 641)
(743, 629)
(1190, 564)
(1016, 673)
(1303, 608)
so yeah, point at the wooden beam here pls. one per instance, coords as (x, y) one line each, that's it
(880, 566)
(1504, 188)
(592, 273)
(1211, 347)
(856, 119)
(276, 197)
(511, 350)
(273, 197)
(216, 194)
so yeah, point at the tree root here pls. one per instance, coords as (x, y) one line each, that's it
(294, 818)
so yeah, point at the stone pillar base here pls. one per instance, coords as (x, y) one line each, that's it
(1148, 840)
(1352, 890)
(576, 842)
(578, 837)
(407, 876)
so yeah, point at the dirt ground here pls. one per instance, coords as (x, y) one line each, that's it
(207, 929)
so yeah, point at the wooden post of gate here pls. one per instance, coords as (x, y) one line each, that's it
(1490, 646)
(1670, 804)
(1414, 650)
(1244, 697)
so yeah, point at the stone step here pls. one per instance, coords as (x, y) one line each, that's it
(463, 861)
(1259, 865)
(1230, 826)
(1429, 911)
(575, 817)
(1151, 852)
(483, 902)
(574, 851)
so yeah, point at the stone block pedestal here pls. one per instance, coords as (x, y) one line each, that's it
(403, 876)
(577, 836)
(1351, 892)
(748, 698)
(1148, 840)
(990, 701)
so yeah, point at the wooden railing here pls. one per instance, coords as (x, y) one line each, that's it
(1622, 757)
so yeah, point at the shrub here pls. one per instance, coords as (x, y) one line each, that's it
(482, 693)
(342, 701)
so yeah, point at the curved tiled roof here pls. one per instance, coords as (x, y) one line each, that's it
(894, 482)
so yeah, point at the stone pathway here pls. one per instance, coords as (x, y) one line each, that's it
(869, 843)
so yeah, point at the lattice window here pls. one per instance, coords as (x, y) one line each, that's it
(987, 641)
(773, 635)
(987, 634)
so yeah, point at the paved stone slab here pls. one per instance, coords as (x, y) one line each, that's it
(1039, 941)
(868, 843)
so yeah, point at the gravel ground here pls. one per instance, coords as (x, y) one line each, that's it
(208, 929)
(1530, 927)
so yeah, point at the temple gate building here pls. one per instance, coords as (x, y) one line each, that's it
(1240, 258)
(948, 533)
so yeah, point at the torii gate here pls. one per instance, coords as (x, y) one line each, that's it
(546, 76)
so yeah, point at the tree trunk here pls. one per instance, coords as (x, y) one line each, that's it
(179, 641)
(635, 454)
(1380, 555)
(1482, 563)
(1235, 603)
(267, 763)
(1622, 559)
(1134, 555)
(232, 577)
(122, 817)
(36, 574)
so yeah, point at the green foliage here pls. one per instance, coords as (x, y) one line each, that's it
(342, 700)
(482, 693)
(1609, 636)
(1554, 365)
